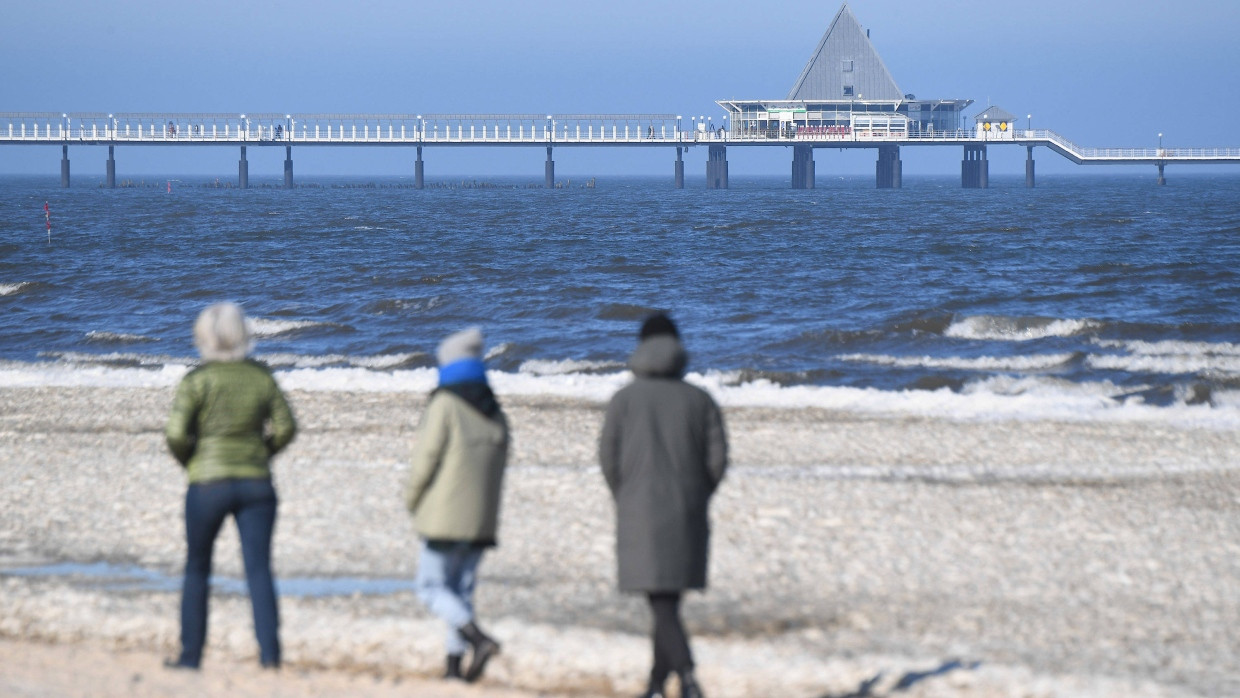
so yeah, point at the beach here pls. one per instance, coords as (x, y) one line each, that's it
(851, 552)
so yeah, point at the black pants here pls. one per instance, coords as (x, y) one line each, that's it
(671, 643)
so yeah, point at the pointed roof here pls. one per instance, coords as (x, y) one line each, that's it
(994, 113)
(845, 59)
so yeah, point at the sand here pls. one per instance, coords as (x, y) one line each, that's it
(852, 553)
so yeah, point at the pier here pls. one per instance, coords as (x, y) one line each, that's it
(844, 98)
(416, 132)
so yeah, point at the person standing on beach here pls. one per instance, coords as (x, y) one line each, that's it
(459, 455)
(663, 452)
(228, 419)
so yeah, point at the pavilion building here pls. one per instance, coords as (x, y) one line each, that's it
(844, 93)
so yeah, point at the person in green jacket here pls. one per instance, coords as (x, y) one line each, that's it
(228, 419)
(459, 455)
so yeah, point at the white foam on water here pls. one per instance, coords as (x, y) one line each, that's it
(266, 327)
(22, 375)
(548, 367)
(1033, 362)
(1168, 356)
(1172, 347)
(118, 337)
(998, 398)
(995, 327)
(10, 289)
(1151, 363)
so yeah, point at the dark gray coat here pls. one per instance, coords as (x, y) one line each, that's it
(663, 452)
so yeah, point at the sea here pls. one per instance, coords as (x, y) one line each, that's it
(1092, 297)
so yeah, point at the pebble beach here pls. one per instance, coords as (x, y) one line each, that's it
(853, 555)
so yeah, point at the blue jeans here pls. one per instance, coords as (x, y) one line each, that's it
(252, 503)
(447, 573)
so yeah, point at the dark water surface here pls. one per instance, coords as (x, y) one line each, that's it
(1097, 285)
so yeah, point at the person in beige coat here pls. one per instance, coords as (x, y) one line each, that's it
(459, 455)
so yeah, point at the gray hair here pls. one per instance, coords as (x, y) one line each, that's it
(220, 333)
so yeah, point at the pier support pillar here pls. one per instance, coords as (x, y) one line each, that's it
(111, 167)
(549, 171)
(1029, 168)
(717, 167)
(418, 182)
(64, 167)
(975, 169)
(243, 171)
(1162, 179)
(802, 167)
(680, 168)
(288, 167)
(889, 170)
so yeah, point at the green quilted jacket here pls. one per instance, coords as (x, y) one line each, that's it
(228, 419)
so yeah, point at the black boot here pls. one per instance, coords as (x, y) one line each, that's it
(484, 649)
(454, 667)
(181, 663)
(689, 687)
(654, 685)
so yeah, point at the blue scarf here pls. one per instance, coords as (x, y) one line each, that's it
(463, 371)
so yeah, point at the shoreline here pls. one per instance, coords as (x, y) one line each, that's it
(1065, 558)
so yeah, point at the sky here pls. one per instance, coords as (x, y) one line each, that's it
(1100, 72)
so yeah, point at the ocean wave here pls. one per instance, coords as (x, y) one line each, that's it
(1035, 362)
(379, 362)
(99, 337)
(995, 398)
(1017, 329)
(1171, 347)
(268, 327)
(10, 289)
(1167, 363)
(114, 359)
(546, 367)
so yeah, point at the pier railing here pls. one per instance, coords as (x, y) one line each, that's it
(343, 129)
(98, 128)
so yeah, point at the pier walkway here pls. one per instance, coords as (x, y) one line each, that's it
(549, 131)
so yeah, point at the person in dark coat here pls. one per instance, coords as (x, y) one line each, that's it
(663, 453)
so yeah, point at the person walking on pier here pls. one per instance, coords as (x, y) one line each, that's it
(663, 452)
(228, 419)
(459, 456)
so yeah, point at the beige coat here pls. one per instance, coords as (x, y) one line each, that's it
(459, 457)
